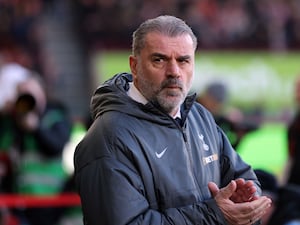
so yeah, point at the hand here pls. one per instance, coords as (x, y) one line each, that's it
(30, 121)
(242, 213)
(245, 191)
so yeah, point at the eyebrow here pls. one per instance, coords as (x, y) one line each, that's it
(156, 54)
(183, 57)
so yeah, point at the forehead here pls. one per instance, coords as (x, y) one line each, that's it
(157, 42)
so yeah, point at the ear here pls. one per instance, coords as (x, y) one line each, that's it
(133, 65)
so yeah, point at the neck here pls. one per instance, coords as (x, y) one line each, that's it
(176, 113)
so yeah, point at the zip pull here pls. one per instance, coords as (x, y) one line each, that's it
(178, 121)
(184, 134)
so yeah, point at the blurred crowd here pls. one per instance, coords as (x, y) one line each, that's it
(20, 33)
(272, 24)
(219, 24)
(34, 127)
(34, 130)
(227, 24)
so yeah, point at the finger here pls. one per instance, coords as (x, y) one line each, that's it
(247, 191)
(258, 216)
(229, 190)
(256, 209)
(246, 186)
(255, 197)
(264, 204)
(213, 188)
(250, 185)
(247, 194)
(248, 212)
(240, 182)
(242, 195)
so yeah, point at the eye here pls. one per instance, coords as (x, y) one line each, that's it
(184, 60)
(158, 59)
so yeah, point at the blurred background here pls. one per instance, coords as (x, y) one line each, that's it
(252, 47)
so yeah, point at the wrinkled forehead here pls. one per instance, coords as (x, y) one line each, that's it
(182, 44)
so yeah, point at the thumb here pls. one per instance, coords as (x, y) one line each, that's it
(228, 191)
(213, 188)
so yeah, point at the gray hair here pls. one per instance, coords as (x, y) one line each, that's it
(167, 25)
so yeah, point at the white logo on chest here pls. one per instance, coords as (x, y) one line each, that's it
(205, 146)
(159, 155)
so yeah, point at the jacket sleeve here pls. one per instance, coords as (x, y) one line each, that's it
(233, 166)
(113, 189)
(111, 193)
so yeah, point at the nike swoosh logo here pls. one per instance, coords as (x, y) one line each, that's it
(159, 155)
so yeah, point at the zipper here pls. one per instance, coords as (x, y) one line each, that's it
(190, 157)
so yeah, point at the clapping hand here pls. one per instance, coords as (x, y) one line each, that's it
(245, 191)
(239, 203)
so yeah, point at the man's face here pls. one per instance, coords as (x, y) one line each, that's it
(163, 71)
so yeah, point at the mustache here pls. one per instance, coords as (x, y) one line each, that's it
(172, 82)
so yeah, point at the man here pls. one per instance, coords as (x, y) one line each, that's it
(33, 135)
(215, 98)
(138, 165)
(285, 209)
(293, 163)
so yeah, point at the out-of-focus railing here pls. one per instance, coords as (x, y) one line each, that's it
(61, 200)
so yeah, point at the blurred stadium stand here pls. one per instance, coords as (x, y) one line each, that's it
(59, 37)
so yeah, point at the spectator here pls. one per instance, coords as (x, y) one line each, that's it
(215, 99)
(37, 130)
(269, 187)
(285, 209)
(11, 74)
(293, 163)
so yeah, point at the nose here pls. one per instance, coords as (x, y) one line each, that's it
(173, 68)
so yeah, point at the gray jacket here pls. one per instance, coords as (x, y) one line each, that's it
(136, 165)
